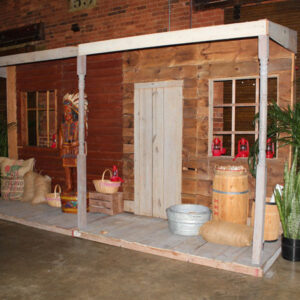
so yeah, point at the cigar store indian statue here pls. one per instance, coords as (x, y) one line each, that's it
(68, 137)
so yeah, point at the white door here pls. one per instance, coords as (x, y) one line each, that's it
(157, 146)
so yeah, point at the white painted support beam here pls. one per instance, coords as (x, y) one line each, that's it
(283, 36)
(179, 37)
(261, 175)
(36, 56)
(81, 157)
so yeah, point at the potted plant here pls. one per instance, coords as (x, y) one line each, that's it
(283, 128)
(3, 137)
(288, 203)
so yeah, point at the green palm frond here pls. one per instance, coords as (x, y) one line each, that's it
(283, 128)
(289, 202)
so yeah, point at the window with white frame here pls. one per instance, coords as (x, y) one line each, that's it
(40, 110)
(233, 105)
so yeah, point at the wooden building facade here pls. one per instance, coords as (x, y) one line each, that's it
(110, 87)
(168, 86)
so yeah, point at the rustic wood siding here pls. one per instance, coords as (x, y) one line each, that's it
(195, 65)
(104, 91)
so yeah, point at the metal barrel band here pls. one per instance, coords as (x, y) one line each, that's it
(230, 193)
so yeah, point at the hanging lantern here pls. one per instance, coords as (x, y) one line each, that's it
(243, 148)
(270, 148)
(217, 147)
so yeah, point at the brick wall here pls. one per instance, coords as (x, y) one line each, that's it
(283, 12)
(108, 19)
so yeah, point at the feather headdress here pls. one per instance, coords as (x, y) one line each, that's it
(73, 101)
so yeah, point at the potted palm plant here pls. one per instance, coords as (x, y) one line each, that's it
(284, 129)
(288, 203)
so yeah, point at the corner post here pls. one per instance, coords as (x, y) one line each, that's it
(11, 104)
(261, 174)
(81, 157)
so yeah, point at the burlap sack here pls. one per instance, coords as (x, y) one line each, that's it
(29, 179)
(12, 177)
(42, 185)
(225, 233)
(16, 168)
(36, 187)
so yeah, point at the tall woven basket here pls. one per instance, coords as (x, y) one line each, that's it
(106, 186)
(53, 199)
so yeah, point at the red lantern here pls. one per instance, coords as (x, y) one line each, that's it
(115, 175)
(243, 148)
(53, 145)
(217, 148)
(270, 148)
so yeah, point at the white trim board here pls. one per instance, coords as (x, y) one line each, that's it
(37, 56)
(282, 35)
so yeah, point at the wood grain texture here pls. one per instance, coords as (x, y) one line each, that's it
(103, 88)
(196, 65)
(148, 235)
(158, 141)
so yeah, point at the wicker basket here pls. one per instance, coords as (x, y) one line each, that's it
(53, 199)
(106, 186)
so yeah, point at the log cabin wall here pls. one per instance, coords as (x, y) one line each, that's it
(104, 91)
(195, 65)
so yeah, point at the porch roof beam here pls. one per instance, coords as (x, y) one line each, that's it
(282, 35)
(36, 56)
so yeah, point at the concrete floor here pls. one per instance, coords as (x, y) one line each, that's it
(36, 264)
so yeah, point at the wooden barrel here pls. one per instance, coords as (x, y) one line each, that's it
(272, 221)
(230, 194)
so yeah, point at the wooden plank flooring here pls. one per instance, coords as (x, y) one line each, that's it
(149, 235)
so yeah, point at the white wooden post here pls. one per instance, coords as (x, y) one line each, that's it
(261, 176)
(81, 157)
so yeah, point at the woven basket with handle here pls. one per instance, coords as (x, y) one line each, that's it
(53, 199)
(106, 186)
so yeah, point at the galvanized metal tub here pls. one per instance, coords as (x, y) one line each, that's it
(186, 219)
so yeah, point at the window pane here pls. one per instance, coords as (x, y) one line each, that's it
(249, 137)
(42, 100)
(52, 124)
(222, 92)
(51, 100)
(218, 119)
(31, 128)
(31, 100)
(43, 129)
(272, 90)
(42, 124)
(227, 91)
(245, 91)
(244, 118)
(227, 144)
(227, 118)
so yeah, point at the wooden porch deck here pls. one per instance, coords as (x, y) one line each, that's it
(145, 234)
